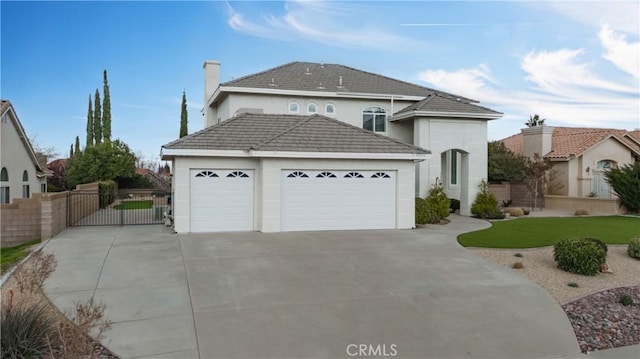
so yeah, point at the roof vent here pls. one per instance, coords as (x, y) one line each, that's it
(321, 87)
(321, 65)
(340, 81)
(308, 72)
(273, 82)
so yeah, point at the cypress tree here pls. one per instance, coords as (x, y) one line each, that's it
(97, 119)
(89, 125)
(106, 109)
(71, 152)
(183, 116)
(77, 149)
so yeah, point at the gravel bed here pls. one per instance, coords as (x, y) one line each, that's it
(601, 322)
(598, 319)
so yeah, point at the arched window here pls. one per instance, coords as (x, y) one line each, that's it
(330, 109)
(4, 190)
(312, 108)
(4, 174)
(293, 107)
(374, 119)
(605, 165)
(25, 176)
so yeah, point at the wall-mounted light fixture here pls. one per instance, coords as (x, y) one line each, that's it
(587, 170)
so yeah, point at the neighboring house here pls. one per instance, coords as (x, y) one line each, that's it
(158, 181)
(20, 173)
(328, 115)
(580, 156)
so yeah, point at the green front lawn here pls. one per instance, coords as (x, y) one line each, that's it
(540, 232)
(135, 205)
(12, 255)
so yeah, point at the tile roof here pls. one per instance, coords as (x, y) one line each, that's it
(4, 106)
(567, 142)
(437, 103)
(291, 133)
(309, 76)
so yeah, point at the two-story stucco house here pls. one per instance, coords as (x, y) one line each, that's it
(323, 146)
(20, 173)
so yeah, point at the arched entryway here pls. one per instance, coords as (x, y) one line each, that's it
(454, 174)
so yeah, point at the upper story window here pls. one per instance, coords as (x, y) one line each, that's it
(25, 176)
(374, 119)
(330, 109)
(312, 108)
(605, 165)
(453, 170)
(293, 107)
(4, 174)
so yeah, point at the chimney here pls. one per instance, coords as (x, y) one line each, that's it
(536, 139)
(211, 78)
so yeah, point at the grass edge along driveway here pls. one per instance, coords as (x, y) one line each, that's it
(12, 255)
(546, 231)
(126, 205)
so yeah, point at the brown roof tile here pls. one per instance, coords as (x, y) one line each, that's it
(263, 132)
(567, 142)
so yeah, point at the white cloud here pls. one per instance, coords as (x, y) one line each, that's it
(326, 22)
(623, 54)
(621, 15)
(565, 88)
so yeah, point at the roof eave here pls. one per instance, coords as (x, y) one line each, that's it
(23, 137)
(168, 154)
(478, 116)
(340, 94)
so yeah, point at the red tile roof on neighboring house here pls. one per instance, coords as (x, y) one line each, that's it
(567, 142)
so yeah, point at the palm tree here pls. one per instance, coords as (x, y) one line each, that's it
(535, 121)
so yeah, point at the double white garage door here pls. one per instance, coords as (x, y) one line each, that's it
(223, 200)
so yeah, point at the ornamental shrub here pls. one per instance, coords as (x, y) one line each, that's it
(437, 203)
(27, 331)
(634, 247)
(107, 190)
(600, 244)
(579, 255)
(514, 211)
(486, 205)
(625, 182)
(421, 211)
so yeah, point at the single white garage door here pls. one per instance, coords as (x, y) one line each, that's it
(335, 200)
(221, 200)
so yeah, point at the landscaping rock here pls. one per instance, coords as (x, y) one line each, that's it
(601, 322)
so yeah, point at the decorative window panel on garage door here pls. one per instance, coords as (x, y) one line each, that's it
(221, 200)
(338, 200)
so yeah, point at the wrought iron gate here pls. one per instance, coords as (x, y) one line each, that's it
(124, 207)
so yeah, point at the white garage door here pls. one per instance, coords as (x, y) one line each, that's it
(335, 200)
(221, 200)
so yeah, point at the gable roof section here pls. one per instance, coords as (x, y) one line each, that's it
(6, 109)
(567, 142)
(309, 76)
(291, 133)
(437, 103)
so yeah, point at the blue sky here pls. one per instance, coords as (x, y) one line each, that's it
(574, 63)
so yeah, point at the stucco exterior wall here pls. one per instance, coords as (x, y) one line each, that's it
(440, 135)
(348, 110)
(267, 191)
(15, 158)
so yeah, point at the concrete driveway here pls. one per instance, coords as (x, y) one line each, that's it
(408, 294)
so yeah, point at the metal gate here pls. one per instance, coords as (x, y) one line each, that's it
(117, 208)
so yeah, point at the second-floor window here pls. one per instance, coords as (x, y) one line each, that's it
(312, 108)
(374, 119)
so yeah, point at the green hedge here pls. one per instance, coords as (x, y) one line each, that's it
(107, 193)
